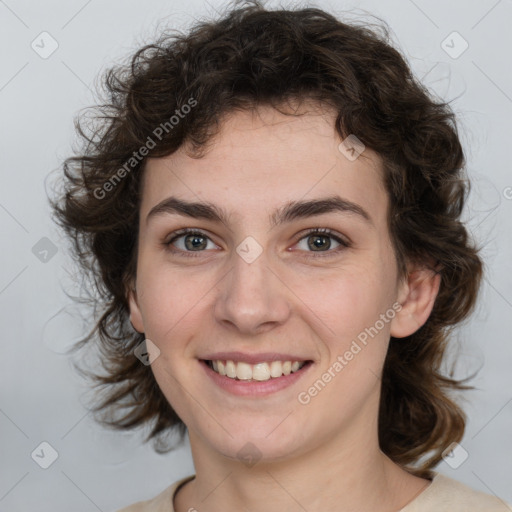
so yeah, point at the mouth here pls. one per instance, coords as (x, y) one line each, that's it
(259, 372)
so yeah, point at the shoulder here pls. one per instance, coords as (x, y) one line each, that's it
(163, 502)
(445, 494)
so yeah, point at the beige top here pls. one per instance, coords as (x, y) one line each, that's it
(443, 495)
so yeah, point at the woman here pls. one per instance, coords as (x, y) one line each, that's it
(270, 207)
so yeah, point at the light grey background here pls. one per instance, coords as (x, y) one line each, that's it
(41, 396)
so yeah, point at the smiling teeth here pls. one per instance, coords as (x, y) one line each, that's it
(259, 371)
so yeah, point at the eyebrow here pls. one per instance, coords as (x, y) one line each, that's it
(290, 211)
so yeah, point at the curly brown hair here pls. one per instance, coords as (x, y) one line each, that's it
(250, 57)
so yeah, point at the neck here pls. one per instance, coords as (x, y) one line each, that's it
(334, 476)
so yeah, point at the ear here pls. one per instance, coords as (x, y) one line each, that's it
(417, 295)
(135, 313)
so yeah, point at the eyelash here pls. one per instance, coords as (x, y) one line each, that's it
(313, 231)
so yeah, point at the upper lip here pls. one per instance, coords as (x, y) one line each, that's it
(252, 358)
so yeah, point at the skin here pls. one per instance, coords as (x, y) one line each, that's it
(320, 456)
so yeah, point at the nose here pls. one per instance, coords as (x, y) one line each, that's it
(252, 298)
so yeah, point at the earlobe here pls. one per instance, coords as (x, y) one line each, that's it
(135, 313)
(417, 297)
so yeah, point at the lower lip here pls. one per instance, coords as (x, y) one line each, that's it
(254, 387)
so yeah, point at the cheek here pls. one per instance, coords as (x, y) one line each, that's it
(338, 304)
(356, 308)
(170, 299)
(348, 301)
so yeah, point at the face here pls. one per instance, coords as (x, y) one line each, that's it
(256, 282)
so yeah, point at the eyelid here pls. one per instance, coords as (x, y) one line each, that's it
(324, 231)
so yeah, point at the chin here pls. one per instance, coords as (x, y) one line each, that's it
(264, 443)
(251, 451)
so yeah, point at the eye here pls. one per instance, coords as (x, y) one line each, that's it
(192, 241)
(319, 238)
(317, 241)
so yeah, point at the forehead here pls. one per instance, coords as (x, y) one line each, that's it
(262, 159)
